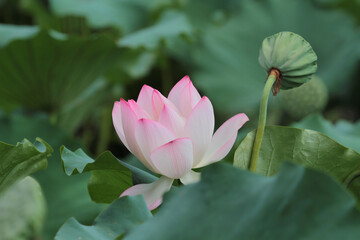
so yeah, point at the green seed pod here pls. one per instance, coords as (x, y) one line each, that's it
(309, 98)
(292, 56)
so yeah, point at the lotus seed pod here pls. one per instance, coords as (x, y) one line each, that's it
(23, 209)
(309, 98)
(292, 56)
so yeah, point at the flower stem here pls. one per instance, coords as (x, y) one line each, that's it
(273, 76)
(105, 131)
(166, 80)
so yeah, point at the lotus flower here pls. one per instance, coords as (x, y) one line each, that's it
(173, 135)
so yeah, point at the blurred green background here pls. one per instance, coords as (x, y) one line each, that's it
(64, 62)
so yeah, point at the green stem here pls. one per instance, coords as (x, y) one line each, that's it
(262, 121)
(166, 73)
(105, 131)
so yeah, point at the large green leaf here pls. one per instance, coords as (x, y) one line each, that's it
(230, 203)
(22, 159)
(212, 12)
(226, 57)
(41, 17)
(343, 132)
(126, 15)
(23, 210)
(122, 215)
(169, 27)
(9, 33)
(103, 13)
(109, 176)
(51, 71)
(352, 7)
(76, 112)
(58, 188)
(133, 64)
(306, 147)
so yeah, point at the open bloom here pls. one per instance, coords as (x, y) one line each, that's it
(170, 136)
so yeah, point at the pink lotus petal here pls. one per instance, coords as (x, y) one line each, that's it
(145, 99)
(191, 177)
(174, 159)
(200, 127)
(170, 104)
(189, 98)
(175, 93)
(223, 140)
(220, 154)
(150, 135)
(129, 120)
(172, 120)
(116, 117)
(152, 192)
(140, 113)
(157, 103)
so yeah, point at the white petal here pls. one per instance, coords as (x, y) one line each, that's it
(129, 120)
(200, 127)
(150, 135)
(172, 120)
(174, 159)
(191, 177)
(175, 93)
(116, 117)
(189, 98)
(152, 192)
(145, 99)
(140, 113)
(223, 140)
(157, 104)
